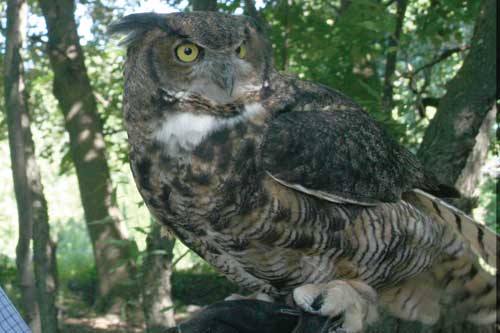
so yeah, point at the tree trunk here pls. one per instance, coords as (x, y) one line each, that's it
(16, 109)
(210, 5)
(157, 270)
(469, 178)
(449, 142)
(38, 299)
(287, 30)
(251, 11)
(77, 102)
(45, 270)
(392, 55)
(344, 4)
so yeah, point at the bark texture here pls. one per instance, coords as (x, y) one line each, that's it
(38, 298)
(45, 267)
(157, 270)
(468, 180)
(451, 137)
(74, 93)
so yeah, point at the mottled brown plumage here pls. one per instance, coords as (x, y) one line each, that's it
(287, 186)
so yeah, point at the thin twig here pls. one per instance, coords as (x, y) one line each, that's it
(441, 57)
(176, 261)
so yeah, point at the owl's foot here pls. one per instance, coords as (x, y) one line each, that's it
(255, 296)
(350, 304)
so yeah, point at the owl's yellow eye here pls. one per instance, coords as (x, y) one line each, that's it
(187, 52)
(241, 51)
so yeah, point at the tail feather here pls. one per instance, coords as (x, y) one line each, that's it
(463, 279)
(483, 240)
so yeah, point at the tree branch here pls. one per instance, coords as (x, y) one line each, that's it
(390, 67)
(389, 3)
(286, 42)
(441, 57)
(430, 101)
(250, 9)
(422, 103)
(209, 5)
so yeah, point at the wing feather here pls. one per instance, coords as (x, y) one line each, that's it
(340, 156)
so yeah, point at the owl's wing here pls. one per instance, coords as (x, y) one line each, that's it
(339, 156)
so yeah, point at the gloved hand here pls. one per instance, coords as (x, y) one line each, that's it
(250, 316)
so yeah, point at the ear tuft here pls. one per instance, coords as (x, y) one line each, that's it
(136, 25)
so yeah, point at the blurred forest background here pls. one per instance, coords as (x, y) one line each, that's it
(418, 66)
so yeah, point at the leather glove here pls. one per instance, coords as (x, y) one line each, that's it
(250, 316)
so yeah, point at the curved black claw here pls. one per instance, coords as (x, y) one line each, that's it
(334, 325)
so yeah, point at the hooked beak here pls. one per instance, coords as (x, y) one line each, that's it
(223, 74)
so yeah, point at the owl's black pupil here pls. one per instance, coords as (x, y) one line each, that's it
(188, 50)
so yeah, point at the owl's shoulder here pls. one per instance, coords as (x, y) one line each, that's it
(303, 95)
(327, 146)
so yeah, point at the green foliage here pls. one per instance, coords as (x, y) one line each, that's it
(75, 261)
(8, 280)
(488, 202)
(339, 49)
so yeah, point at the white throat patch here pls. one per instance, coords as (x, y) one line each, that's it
(183, 131)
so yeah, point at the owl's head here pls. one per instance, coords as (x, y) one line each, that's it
(214, 55)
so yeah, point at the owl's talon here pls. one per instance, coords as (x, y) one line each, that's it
(350, 305)
(305, 297)
(334, 325)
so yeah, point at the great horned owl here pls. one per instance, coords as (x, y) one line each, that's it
(286, 186)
